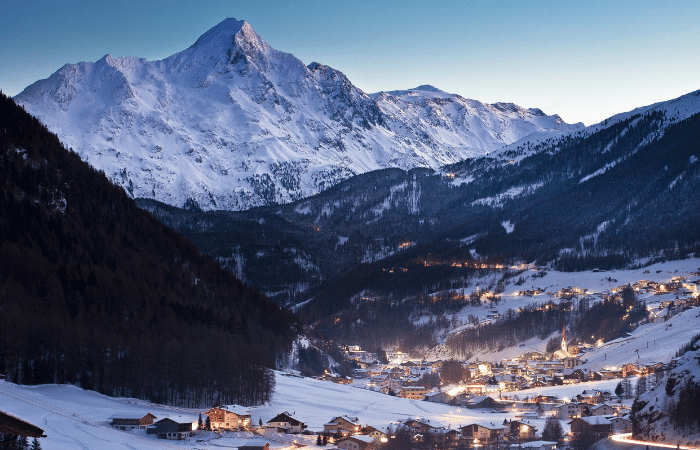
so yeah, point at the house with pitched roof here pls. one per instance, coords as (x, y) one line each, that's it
(483, 402)
(598, 425)
(229, 417)
(569, 410)
(286, 423)
(129, 420)
(443, 438)
(484, 433)
(413, 392)
(342, 424)
(521, 430)
(173, 427)
(418, 426)
(621, 425)
(374, 433)
(602, 409)
(357, 442)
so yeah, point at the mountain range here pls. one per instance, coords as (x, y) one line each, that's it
(615, 194)
(231, 123)
(321, 195)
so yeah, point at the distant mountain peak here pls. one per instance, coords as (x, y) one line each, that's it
(420, 92)
(538, 112)
(426, 87)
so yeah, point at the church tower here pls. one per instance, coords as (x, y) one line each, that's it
(563, 340)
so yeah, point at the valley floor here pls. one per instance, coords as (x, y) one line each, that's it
(75, 418)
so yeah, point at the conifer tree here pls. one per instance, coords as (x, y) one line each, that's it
(22, 443)
(552, 431)
(641, 386)
(627, 386)
(619, 390)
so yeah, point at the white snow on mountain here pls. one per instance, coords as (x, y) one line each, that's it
(513, 192)
(232, 123)
(675, 110)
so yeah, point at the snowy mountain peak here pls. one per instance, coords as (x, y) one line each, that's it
(231, 123)
(227, 28)
(228, 43)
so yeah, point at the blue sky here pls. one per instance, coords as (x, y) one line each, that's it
(584, 60)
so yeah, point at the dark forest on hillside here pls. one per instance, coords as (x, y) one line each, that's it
(96, 292)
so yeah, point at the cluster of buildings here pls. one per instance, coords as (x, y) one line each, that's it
(173, 427)
(530, 370)
(179, 427)
(344, 432)
(590, 412)
(687, 292)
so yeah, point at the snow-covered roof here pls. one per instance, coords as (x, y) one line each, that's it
(236, 409)
(128, 415)
(285, 415)
(423, 421)
(601, 405)
(595, 420)
(179, 418)
(490, 425)
(443, 430)
(361, 437)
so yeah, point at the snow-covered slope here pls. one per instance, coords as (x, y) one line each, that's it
(675, 110)
(656, 405)
(232, 123)
(653, 342)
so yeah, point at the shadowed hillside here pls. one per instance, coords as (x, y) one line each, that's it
(96, 292)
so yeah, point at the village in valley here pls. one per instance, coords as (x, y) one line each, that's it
(590, 416)
(540, 394)
(531, 400)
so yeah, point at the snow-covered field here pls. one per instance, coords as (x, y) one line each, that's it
(74, 418)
